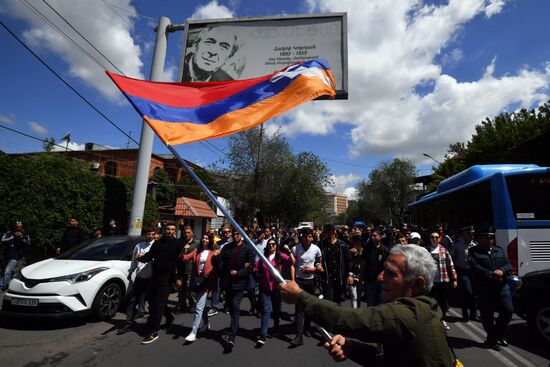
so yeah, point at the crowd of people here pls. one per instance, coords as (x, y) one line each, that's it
(416, 269)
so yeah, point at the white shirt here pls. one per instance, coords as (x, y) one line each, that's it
(305, 258)
(144, 270)
(203, 258)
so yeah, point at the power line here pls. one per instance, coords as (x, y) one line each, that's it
(109, 5)
(59, 31)
(84, 38)
(66, 83)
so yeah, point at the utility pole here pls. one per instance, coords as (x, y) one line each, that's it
(147, 136)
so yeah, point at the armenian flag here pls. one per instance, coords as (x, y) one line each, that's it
(187, 112)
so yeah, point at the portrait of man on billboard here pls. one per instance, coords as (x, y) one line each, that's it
(212, 55)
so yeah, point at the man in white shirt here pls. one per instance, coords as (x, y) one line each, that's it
(142, 280)
(308, 261)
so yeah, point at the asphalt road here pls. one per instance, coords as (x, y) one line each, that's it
(87, 343)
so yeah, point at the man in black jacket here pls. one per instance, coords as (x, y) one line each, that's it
(490, 267)
(338, 264)
(165, 253)
(375, 255)
(236, 263)
(73, 235)
(14, 244)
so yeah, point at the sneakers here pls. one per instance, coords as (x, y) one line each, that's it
(127, 328)
(261, 340)
(297, 341)
(150, 338)
(445, 326)
(229, 343)
(191, 337)
(212, 312)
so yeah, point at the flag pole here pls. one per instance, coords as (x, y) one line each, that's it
(234, 223)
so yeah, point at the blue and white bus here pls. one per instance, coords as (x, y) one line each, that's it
(513, 198)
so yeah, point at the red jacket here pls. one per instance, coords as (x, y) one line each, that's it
(208, 270)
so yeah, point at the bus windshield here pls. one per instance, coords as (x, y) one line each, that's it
(530, 196)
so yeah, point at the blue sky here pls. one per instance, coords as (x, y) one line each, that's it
(422, 74)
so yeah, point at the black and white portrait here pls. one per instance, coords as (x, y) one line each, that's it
(212, 55)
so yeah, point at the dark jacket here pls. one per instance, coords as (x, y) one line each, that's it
(228, 262)
(482, 264)
(14, 246)
(165, 254)
(72, 237)
(345, 262)
(410, 329)
(184, 267)
(374, 260)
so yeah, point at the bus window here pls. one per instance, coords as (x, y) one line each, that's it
(530, 196)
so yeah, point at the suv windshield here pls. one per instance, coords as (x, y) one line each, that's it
(102, 249)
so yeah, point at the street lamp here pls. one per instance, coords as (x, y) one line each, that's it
(429, 156)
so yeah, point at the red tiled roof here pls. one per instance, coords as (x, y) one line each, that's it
(186, 207)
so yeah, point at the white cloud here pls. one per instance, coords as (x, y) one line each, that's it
(60, 147)
(393, 48)
(7, 119)
(107, 31)
(452, 57)
(341, 184)
(351, 193)
(37, 128)
(212, 10)
(494, 7)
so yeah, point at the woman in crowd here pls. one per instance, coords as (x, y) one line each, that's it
(270, 296)
(203, 280)
(445, 277)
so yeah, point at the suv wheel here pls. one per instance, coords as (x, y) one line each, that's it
(542, 320)
(107, 301)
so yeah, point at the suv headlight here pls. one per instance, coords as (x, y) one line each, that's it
(79, 277)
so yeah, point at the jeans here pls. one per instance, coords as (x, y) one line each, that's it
(271, 302)
(141, 304)
(200, 312)
(9, 269)
(139, 290)
(234, 299)
(374, 292)
(185, 297)
(493, 299)
(160, 290)
(440, 291)
(215, 301)
(300, 320)
(251, 292)
(333, 290)
(353, 295)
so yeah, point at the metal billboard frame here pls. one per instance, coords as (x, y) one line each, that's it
(340, 93)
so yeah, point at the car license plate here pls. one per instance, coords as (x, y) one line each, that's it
(32, 302)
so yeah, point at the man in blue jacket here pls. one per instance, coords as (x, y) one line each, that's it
(490, 267)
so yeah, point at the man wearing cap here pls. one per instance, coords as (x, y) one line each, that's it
(459, 253)
(14, 244)
(414, 238)
(490, 266)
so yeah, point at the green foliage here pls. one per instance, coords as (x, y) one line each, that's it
(44, 190)
(165, 188)
(496, 141)
(48, 144)
(187, 187)
(386, 194)
(265, 180)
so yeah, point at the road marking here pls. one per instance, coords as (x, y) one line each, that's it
(506, 350)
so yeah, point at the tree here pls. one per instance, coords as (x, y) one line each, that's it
(265, 180)
(502, 135)
(187, 187)
(386, 194)
(165, 188)
(48, 144)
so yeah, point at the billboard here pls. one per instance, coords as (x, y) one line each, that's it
(243, 48)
